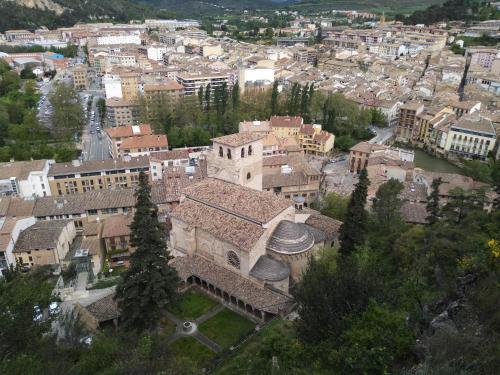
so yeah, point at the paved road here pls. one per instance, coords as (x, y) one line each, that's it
(95, 146)
(383, 135)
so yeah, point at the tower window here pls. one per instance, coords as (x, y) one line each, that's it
(233, 260)
(229, 153)
(249, 150)
(221, 152)
(249, 176)
(243, 152)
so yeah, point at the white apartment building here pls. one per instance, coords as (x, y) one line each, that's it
(119, 39)
(112, 86)
(193, 81)
(156, 52)
(10, 228)
(26, 179)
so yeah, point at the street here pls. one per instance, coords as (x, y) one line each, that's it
(95, 146)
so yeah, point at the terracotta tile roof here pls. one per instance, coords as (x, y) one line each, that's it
(116, 225)
(41, 235)
(118, 102)
(330, 227)
(238, 139)
(258, 206)
(79, 203)
(20, 169)
(475, 123)
(92, 244)
(274, 160)
(14, 206)
(92, 228)
(129, 131)
(270, 269)
(104, 309)
(166, 86)
(366, 147)
(170, 189)
(170, 155)
(415, 213)
(229, 228)
(286, 121)
(322, 137)
(259, 297)
(98, 165)
(307, 129)
(281, 179)
(150, 140)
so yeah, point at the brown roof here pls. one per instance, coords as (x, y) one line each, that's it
(116, 225)
(174, 181)
(259, 297)
(92, 244)
(99, 165)
(322, 136)
(14, 206)
(414, 213)
(238, 200)
(79, 203)
(282, 179)
(286, 121)
(91, 228)
(330, 227)
(41, 235)
(118, 102)
(104, 309)
(20, 169)
(269, 161)
(128, 131)
(238, 139)
(150, 140)
(367, 147)
(475, 123)
(170, 155)
(229, 228)
(307, 130)
(166, 86)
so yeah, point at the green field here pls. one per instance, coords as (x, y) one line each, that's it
(190, 352)
(192, 305)
(226, 328)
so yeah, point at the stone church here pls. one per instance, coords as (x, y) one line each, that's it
(243, 245)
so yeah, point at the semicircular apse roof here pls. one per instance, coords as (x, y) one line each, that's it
(290, 238)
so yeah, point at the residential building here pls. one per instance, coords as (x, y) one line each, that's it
(129, 80)
(158, 96)
(191, 82)
(80, 79)
(44, 243)
(120, 112)
(471, 137)
(116, 236)
(115, 136)
(306, 55)
(143, 145)
(19, 35)
(119, 39)
(82, 176)
(26, 179)
(406, 129)
(315, 141)
(360, 155)
(10, 228)
(286, 126)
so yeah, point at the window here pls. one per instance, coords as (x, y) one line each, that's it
(249, 150)
(249, 176)
(233, 260)
(242, 152)
(221, 152)
(229, 153)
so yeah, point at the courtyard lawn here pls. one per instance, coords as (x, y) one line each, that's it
(189, 350)
(238, 362)
(226, 328)
(192, 305)
(167, 327)
(105, 283)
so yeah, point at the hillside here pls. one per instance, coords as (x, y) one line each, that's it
(30, 14)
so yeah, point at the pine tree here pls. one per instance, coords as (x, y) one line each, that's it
(150, 284)
(207, 97)
(353, 230)
(274, 99)
(235, 96)
(433, 202)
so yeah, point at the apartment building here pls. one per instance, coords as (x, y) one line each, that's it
(129, 81)
(10, 228)
(26, 179)
(80, 177)
(406, 129)
(160, 95)
(19, 35)
(116, 236)
(431, 118)
(44, 243)
(471, 137)
(119, 39)
(120, 112)
(315, 141)
(191, 82)
(286, 126)
(483, 57)
(364, 154)
(143, 145)
(306, 55)
(80, 79)
(115, 136)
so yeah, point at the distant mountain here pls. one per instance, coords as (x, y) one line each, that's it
(30, 14)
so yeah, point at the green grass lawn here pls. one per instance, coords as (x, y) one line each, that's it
(226, 328)
(189, 350)
(192, 305)
(167, 327)
(433, 164)
(238, 362)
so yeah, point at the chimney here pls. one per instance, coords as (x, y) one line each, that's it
(76, 163)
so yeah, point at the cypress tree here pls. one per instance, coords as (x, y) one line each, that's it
(223, 97)
(207, 97)
(304, 101)
(274, 99)
(353, 230)
(433, 202)
(200, 97)
(235, 96)
(149, 285)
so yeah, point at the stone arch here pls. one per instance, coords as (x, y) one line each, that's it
(233, 300)
(190, 280)
(225, 296)
(257, 313)
(241, 304)
(249, 308)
